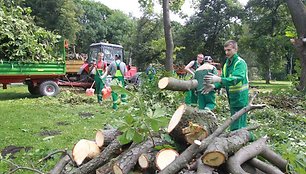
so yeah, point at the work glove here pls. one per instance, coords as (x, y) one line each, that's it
(207, 88)
(212, 78)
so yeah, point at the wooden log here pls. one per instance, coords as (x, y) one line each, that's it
(173, 84)
(188, 124)
(262, 166)
(146, 160)
(128, 159)
(106, 168)
(194, 149)
(164, 157)
(202, 168)
(275, 159)
(60, 166)
(221, 148)
(105, 137)
(99, 160)
(246, 153)
(84, 149)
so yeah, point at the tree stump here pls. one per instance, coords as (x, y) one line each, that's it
(188, 124)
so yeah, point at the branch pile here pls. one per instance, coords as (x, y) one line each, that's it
(204, 148)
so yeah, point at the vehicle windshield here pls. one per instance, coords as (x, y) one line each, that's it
(109, 53)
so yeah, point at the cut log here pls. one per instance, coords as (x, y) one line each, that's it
(129, 158)
(188, 124)
(99, 160)
(146, 160)
(202, 168)
(84, 149)
(60, 166)
(246, 153)
(106, 168)
(173, 84)
(262, 166)
(221, 148)
(194, 149)
(275, 159)
(105, 137)
(164, 157)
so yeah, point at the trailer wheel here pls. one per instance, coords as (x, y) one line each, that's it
(49, 88)
(34, 90)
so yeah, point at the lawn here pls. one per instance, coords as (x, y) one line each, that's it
(274, 85)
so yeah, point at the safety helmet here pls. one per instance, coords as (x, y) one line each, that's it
(208, 59)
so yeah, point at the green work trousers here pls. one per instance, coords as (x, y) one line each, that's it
(207, 101)
(99, 84)
(191, 98)
(241, 122)
(120, 82)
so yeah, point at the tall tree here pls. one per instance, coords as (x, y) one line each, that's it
(298, 12)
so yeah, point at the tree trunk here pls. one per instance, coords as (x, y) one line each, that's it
(173, 84)
(128, 160)
(105, 137)
(221, 148)
(262, 166)
(168, 36)
(188, 124)
(248, 152)
(100, 160)
(298, 13)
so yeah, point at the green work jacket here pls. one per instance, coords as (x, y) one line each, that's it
(234, 79)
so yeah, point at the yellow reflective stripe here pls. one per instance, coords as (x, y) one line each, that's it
(239, 88)
(224, 70)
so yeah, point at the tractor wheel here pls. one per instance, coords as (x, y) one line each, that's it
(34, 90)
(49, 88)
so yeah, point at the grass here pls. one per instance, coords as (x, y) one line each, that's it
(274, 85)
(27, 121)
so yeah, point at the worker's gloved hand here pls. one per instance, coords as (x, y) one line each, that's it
(207, 88)
(212, 78)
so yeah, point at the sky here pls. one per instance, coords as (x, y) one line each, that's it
(132, 7)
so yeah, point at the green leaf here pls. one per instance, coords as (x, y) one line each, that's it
(155, 125)
(129, 119)
(122, 139)
(137, 137)
(130, 134)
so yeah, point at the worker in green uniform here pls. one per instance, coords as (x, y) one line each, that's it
(205, 101)
(117, 69)
(191, 96)
(234, 79)
(100, 71)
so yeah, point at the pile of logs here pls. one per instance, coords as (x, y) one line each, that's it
(204, 147)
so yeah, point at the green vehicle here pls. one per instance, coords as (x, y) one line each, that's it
(42, 78)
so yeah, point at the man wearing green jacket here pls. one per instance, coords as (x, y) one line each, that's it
(205, 101)
(234, 79)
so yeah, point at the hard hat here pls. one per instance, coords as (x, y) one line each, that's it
(208, 59)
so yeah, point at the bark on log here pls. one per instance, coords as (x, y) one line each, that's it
(173, 84)
(100, 160)
(248, 152)
(60, 166)
(146, 160)
(267, 168)
(193, 149)
(128, 160)
(106, 168)
(221, 148)
(105, 137)
(164, 157)
(275, 159)
(84, 149)
(182, 126)
(202, 168)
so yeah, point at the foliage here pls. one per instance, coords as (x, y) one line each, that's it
(21, 40)
(146, 112)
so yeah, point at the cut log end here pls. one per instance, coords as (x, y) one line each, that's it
(84, 149)
(143, 161)
(162, 84)
(117, 169)
(175, 119)
(99, 138)
(213, 159)
(194, 132)
(164, 157)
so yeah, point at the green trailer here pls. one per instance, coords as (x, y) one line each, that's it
(42, 78)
